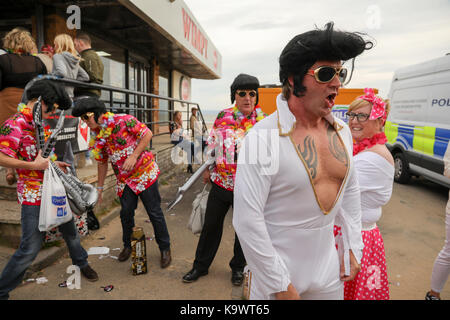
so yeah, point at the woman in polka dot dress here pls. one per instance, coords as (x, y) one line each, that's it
(375, 168)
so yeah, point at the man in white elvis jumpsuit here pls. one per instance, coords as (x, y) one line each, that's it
(288, 198)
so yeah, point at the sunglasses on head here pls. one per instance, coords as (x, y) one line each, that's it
(326, 74)
(242, 94)
(86, 116)
(361, 117)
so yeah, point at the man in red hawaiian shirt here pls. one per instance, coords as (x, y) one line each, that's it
(18, 150)
(228, 131)
(123, 140)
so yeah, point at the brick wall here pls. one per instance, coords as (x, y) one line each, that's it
(164, 160)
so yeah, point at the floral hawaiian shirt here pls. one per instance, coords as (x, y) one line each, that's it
(17, 140)
(116, 140)
(226, 136)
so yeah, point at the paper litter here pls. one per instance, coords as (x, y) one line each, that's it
(41, 280)
(98, 250)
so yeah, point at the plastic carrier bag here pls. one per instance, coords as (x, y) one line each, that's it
(197, 218)
(55, 209)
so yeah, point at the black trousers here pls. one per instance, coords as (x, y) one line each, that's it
(152, 202)
(219, 201)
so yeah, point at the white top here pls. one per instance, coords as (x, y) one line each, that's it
(180, 132)
(285, 236)
(376, 178)
(196, 126)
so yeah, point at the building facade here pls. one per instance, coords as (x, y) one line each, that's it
(154, 46)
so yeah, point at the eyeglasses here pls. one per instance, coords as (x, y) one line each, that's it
(86, 116)
(361, 117)
(242, 94)
(326, 74)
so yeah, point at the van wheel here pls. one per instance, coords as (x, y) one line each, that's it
(401, 174)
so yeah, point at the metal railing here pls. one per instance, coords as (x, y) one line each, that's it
(141, 107)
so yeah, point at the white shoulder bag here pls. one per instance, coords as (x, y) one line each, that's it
(197, 218)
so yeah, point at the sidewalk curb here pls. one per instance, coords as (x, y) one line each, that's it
(49, 256)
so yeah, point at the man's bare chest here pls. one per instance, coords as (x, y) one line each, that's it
(323, 153)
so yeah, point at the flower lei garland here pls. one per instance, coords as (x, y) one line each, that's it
(97, 144)
(17, 51)
(25, 110)
(246, 122)
(378, 138)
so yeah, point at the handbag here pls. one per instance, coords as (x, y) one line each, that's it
(55, 209)
(197, 218)
(92, 221)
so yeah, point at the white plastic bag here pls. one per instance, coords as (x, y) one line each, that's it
(197, 218)
(55, 209)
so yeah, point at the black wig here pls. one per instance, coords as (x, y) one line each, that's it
(52, 94)
(244, 82)
(90, 104)
(307, 48)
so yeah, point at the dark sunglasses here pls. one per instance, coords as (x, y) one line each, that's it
(361, 117)
(242, 94)
(326, 74)
(86, 116)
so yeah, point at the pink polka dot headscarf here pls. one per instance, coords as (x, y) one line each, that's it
(378, 105)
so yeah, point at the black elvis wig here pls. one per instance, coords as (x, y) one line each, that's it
(90, 104)
(305, 49)
(52, 93)
(244, 82)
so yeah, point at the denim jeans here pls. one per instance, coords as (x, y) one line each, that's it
(30, 245)
(152, 202)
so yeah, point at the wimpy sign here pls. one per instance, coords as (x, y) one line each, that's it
(193, 34)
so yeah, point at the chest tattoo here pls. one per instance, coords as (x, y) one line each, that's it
(309, 154)
(335, 146)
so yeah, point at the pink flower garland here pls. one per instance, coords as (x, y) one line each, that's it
(379, 138)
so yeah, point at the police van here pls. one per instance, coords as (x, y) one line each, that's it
(418, 126)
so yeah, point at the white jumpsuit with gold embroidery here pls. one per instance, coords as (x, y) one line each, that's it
(285, 236)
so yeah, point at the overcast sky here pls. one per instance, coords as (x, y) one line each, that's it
(250, 35)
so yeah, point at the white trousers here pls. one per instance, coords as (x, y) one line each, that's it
(441, 268)
(333, 295)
